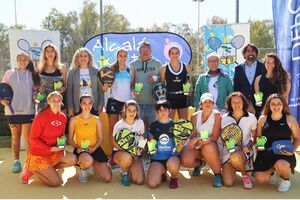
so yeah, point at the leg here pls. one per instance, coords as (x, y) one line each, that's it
(228, 174)
(137, 171)
(103, 170)
(263, 177)
(124, 159)
(85, 160)
(112, 118)
(190, 158)
(238, 160)
(283, 169)
(182, 113)
(16, 130)
(49, 176)
(210, 154)
(154, 175)
(66, 161)
(25, 132)
(172, 114)
(173, 165)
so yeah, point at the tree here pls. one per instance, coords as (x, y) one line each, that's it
(113, 21)
(218, 20)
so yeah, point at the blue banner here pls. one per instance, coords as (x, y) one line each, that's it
(286, 17)
(104, 46)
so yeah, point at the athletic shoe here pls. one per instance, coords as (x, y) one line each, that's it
(124, 179)
(173, 183)
(164, 178)
(16, 167)
(272, 180)
(217, 181)
(284, 185)
(25, 175)
(196, 171)
(247, 182)
(83, 176)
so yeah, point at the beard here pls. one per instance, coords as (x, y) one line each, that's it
(251, 57)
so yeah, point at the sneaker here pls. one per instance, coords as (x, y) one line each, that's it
(272, 180)
(25, 175)
(217, 181)
(83, 176)
(284, 185)
(247, 182)
(164, 178)
(16, 167)
(196, 171)
(173, 183)
(124, 179)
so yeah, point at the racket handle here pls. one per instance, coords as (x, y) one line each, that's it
(10, 108)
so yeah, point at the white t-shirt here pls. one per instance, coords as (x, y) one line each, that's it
(213, 88)
(208, 124)
(138, 127)
(120, 90)
(85, 82)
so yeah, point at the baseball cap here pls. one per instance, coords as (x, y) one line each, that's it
(206, 96)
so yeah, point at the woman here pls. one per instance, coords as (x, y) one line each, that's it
(276, 123)
(241, 159)
(175, 74)
(128, 163)
(164, 160)
(22, 80)
(52, 72)
(201, 147)
(86, 127)
(83, 79)
(120, 90)
(275, 79)
(45, 156)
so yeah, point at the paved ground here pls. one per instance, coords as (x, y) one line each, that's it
(190, 187)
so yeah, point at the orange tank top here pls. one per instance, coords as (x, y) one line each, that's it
(85, 130)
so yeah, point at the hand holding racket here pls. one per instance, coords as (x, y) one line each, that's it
(106, 76)
(231, 136)
(182, 129)
(125, 139)
(6, 93)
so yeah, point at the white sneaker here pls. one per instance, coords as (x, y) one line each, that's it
(272, 180)
(284, 185)
(83, 176)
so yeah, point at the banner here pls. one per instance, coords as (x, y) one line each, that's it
(104, 46)
(31, 42)
(286, 17)
(227, 40)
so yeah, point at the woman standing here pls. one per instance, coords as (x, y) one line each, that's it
(82, 79)
(87, 128)
(241, 159)
(45, 156)
(175, 74)
(22, 80)
(276, 123)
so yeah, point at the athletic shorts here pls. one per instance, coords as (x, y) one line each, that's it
(178, 101)
(19, 119)
(98, 155)
(114, 106)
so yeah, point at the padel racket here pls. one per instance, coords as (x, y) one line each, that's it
(126, 141)
(182, 129)
(6, 93)
(106, 76)
(159, 91)
(231, 134)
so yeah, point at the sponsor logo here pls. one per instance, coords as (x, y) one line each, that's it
(55, 123)
(164, 139)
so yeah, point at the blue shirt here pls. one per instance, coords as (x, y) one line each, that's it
(250, 71)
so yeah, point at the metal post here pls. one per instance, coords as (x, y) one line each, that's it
(237, 11)
(198, 33)
(101, 17)
(15, 12)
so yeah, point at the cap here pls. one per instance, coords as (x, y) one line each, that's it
(206, 96)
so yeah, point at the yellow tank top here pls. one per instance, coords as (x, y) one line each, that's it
(85, 130)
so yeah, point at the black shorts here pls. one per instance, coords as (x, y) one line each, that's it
(178, 101)
(114, 106)
(163, 162)
(19, 119)
(98, 154)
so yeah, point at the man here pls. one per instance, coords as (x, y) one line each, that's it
(215, 82)
(147, 72)
(245, 75)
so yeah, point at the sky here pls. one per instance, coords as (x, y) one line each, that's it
(140, 13)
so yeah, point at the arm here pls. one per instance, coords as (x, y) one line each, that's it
(287, 91)
(295, 131)
(256, 83)
(71, 133)
(162, 73)
(100, 97)
(197, 94)
(64, 73)
(132, 76)
(193, 137)
(229, 85)
(99, 135)
(216, 132)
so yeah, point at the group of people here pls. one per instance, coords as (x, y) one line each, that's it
(78, 93)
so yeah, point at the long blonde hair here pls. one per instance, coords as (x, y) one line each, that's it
(75, 63)
(43, 59)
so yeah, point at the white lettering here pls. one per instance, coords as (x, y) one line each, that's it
(290, 9)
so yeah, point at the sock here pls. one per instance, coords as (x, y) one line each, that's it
(124, 173)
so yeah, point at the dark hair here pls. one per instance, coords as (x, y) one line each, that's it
(252, 46)
(35, 76)
(130, 103)
(85, 96)
(285, 110)
(145, 44)
(162, 104)
(228, 105)
(115, 66)
(279, 75)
